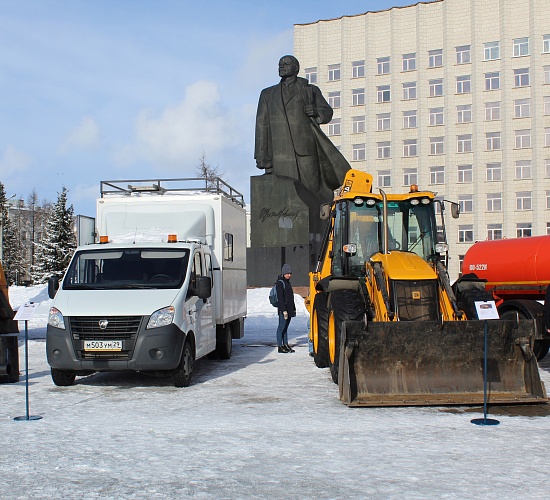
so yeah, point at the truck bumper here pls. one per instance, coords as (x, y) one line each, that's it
(157, 349)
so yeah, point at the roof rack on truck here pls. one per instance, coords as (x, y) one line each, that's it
(213, 185)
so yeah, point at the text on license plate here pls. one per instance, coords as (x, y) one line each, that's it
(103, 345)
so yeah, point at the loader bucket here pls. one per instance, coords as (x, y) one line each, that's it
(434, 364)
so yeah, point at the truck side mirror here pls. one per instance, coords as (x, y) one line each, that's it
(53, 286)
(325, 211)
(203, 287)
(455, 210)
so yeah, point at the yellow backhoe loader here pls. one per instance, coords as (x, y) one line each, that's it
(388, 324)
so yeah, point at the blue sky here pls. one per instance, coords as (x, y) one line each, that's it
(105, 89)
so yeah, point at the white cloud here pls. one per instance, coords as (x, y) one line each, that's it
(14, 161)
(84, 136)
(177, 136)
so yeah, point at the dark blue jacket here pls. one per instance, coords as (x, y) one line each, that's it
(285, 297)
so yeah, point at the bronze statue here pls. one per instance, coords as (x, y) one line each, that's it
(289, 141)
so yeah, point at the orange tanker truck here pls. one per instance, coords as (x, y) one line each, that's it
(516, 272)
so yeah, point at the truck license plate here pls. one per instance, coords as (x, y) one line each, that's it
(103, 345)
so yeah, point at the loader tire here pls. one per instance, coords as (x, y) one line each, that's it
(467, 301)
(320, 330)
(344, 305)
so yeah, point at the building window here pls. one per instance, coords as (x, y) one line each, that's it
(494, 202)
(523, 169)
(492, 140)
(546, 70)
(494, 231)
(333, 72)
(311, 75)
(547, 228)
(436, 146)
(494, 171)
(521, 47)
(358, 69)
(547, 105)
(547, 167)
(523, 139)
(523, 230)
(435, 58)
(464, 143)
(358, 97)
(546, 44)
(436, 87)
(409, 90)
(383, 121)
(522, 108)
(466, 203)
(463, 84)
(521, 77)
(383, 65)
(492, 80)
(547, 199)
(547, 136)
(410, 176)
(334, 127)
(409, 62)
(409, 119)
(492, 111)
(463, 54)
(383, 93)
(491, 50)
(464, 113)
(437, 175)
(466, 234)
(436, 116)
(334, 100)
(465, 174)
(358, 152)
(384, 178)
(523, 200)
(358, 124)
(410, 147)
(384, 150)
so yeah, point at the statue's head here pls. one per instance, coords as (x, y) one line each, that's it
(288, 66)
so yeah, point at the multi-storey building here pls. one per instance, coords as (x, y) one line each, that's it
(452, 95)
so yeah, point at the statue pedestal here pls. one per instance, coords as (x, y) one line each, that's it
(283, 229)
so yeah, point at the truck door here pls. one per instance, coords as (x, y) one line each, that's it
(205, 332)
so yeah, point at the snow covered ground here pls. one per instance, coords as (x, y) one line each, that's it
(260, 425)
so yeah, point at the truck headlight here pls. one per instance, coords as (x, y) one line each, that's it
(162, 317)
(55, 318)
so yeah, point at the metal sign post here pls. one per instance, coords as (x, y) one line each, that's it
(24, 313)
(485, 310)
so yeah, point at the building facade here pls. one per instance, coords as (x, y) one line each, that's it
(452, 95)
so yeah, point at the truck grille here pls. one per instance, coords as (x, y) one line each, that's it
(123, 328)
(118, 327)
(416, 300)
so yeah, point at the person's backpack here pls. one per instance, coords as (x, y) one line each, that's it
(273, 294)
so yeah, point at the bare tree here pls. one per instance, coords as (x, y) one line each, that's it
(205, 171)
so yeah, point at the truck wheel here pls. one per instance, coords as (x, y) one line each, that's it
(344, 305)
(224, 347)
(63, 378)
(319, 325)
(182, 377)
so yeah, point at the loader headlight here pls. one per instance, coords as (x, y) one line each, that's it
(162, 317)
(441, 247)
(55, 318)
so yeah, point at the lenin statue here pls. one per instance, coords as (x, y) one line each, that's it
(289, 140)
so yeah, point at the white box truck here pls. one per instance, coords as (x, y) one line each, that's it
(164, 285)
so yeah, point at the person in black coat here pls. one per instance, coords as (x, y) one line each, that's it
(546, 311)
(286, 308)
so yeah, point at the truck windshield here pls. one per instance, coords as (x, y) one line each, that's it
(124, 268)
(411, 228)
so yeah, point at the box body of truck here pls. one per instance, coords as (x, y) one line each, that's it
(166, 284)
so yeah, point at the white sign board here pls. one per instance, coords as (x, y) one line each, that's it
(25, 312)
(487, 310)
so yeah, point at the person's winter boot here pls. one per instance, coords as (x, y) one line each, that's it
(288, 348)
(282, 349)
